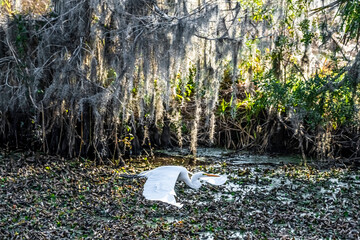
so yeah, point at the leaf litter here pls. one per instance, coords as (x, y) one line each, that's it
(45, 197)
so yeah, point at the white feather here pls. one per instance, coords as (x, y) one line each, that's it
(161, 182)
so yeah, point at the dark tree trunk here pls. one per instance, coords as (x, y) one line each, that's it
(165, 136)
(154, 136)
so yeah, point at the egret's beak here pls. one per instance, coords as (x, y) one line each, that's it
(211, 175)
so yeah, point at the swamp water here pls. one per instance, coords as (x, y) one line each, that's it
(264, 197)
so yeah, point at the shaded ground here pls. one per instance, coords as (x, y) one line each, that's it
(49, 198)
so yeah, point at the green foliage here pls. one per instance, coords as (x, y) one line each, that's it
(307, 34)
(224, 105)
(185, 88)
(283, 87)
(306, 99)
(258, 9)
(350, 12)
(252, 60)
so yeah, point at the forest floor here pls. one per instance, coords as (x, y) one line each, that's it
(44, 197)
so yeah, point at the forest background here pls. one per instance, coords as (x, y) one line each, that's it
(110, 79)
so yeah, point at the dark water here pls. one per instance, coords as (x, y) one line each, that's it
(213, 156)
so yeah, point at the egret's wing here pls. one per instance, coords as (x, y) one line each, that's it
(160, 185)
(144, 173)
(215, 180)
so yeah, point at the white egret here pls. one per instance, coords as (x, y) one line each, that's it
(161, 181)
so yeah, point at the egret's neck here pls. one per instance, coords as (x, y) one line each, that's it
(195, 180)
